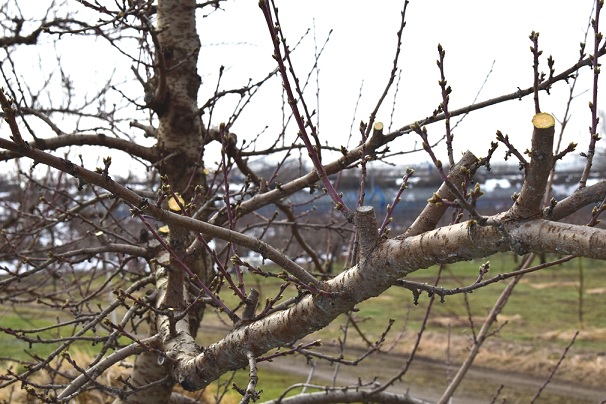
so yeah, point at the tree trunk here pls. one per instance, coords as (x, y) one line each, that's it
(180, 147)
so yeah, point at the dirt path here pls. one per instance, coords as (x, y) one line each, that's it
(426, 379)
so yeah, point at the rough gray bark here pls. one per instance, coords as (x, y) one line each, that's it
(180, 147)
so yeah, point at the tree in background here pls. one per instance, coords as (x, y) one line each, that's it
(164, 227)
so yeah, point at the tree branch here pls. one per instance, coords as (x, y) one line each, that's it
(391, 260)
(528, 204)
(350, 395)
(429, 218)
(577, 200)
(127, 146)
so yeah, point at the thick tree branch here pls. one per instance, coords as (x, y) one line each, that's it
(429, 218)
(577, 200)
(366, 225)
(350, 395)
(391, 260)
(127, 146)
(528, 204)
(32, 37)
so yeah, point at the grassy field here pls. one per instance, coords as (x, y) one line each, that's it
(539, 321)
(535, 327)
(543, 304)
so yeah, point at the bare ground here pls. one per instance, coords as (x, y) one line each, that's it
(427, 378)
(509, 372)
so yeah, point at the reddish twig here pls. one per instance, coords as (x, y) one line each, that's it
(537, 79)
(313, 151)
(593, 105)
(445, 90)
(392, 206)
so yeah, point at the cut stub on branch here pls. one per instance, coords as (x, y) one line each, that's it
(366, 223)
(528, 205)
(377, 129)
(543, 121)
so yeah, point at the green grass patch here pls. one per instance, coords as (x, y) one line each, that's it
(544, 301)
(550, 300)
(545, 309)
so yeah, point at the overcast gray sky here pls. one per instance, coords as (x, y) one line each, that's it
(475, 33)
(480, 36)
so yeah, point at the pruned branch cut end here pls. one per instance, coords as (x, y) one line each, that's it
(543, 120)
